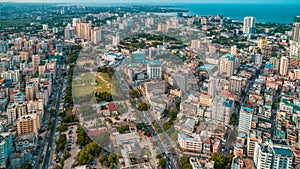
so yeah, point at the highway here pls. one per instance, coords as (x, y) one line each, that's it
(47, 158)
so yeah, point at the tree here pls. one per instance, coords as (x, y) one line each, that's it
(143, 107)
(82, 137)
(173, 114)
(134, 93)
(162, 162)
(103, 159)
(84, 158)
(26, 166)
(123, 129)
(93, 148)
(185, 162)
(62, 128)
(233, 119)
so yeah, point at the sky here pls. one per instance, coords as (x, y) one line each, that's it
(163, 1)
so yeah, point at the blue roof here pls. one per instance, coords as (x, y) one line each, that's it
(228, 103)
(282, 151)
(247, 109)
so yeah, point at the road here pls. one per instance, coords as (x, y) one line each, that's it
(164, 146)
(47, 158)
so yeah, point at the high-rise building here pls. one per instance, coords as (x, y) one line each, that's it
(284, 64)
(227, 62)
(69, 33)
(282, 155)
(83, 30)
(182, 81)
(96, 35)
(222, 109)
(11, 113)
(6, 147)
(249, 25)
(253, 138)
(263, 156)
(245, 119)
(235, 84)
(116, 40)
(296, 29)
(29, 91)
(28, 124)
(164, 28)
(270, 50)
(154, 70)
(36, 59)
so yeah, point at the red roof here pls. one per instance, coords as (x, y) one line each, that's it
(112, 107)
(96, 131)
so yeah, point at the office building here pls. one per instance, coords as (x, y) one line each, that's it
(154, 69)
(28, 124)
(245, 119)
(296, 29)
(249, 25)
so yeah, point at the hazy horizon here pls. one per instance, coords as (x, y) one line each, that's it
(160, 1)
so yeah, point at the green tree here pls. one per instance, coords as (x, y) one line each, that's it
(26, 166)
(84, 158)
(162, 162)
(103, 159)
(233, 119)
(185, 162)
(143, 106)
(82, 137)
(93, 148)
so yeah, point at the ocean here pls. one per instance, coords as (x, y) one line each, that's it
(278, 13)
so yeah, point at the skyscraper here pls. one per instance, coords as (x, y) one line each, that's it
(83, 30)
(296, 29)
(284, 64)
(96, 35)
(236, 84)
(249, 25)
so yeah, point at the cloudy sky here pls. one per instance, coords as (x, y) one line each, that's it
(162, 1)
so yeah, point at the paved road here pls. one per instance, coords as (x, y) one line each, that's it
(147, 118)
(47, 158)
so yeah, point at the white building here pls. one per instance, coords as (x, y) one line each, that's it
(245, 119)
(263, 156)
(154, 70)
(249, 25)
